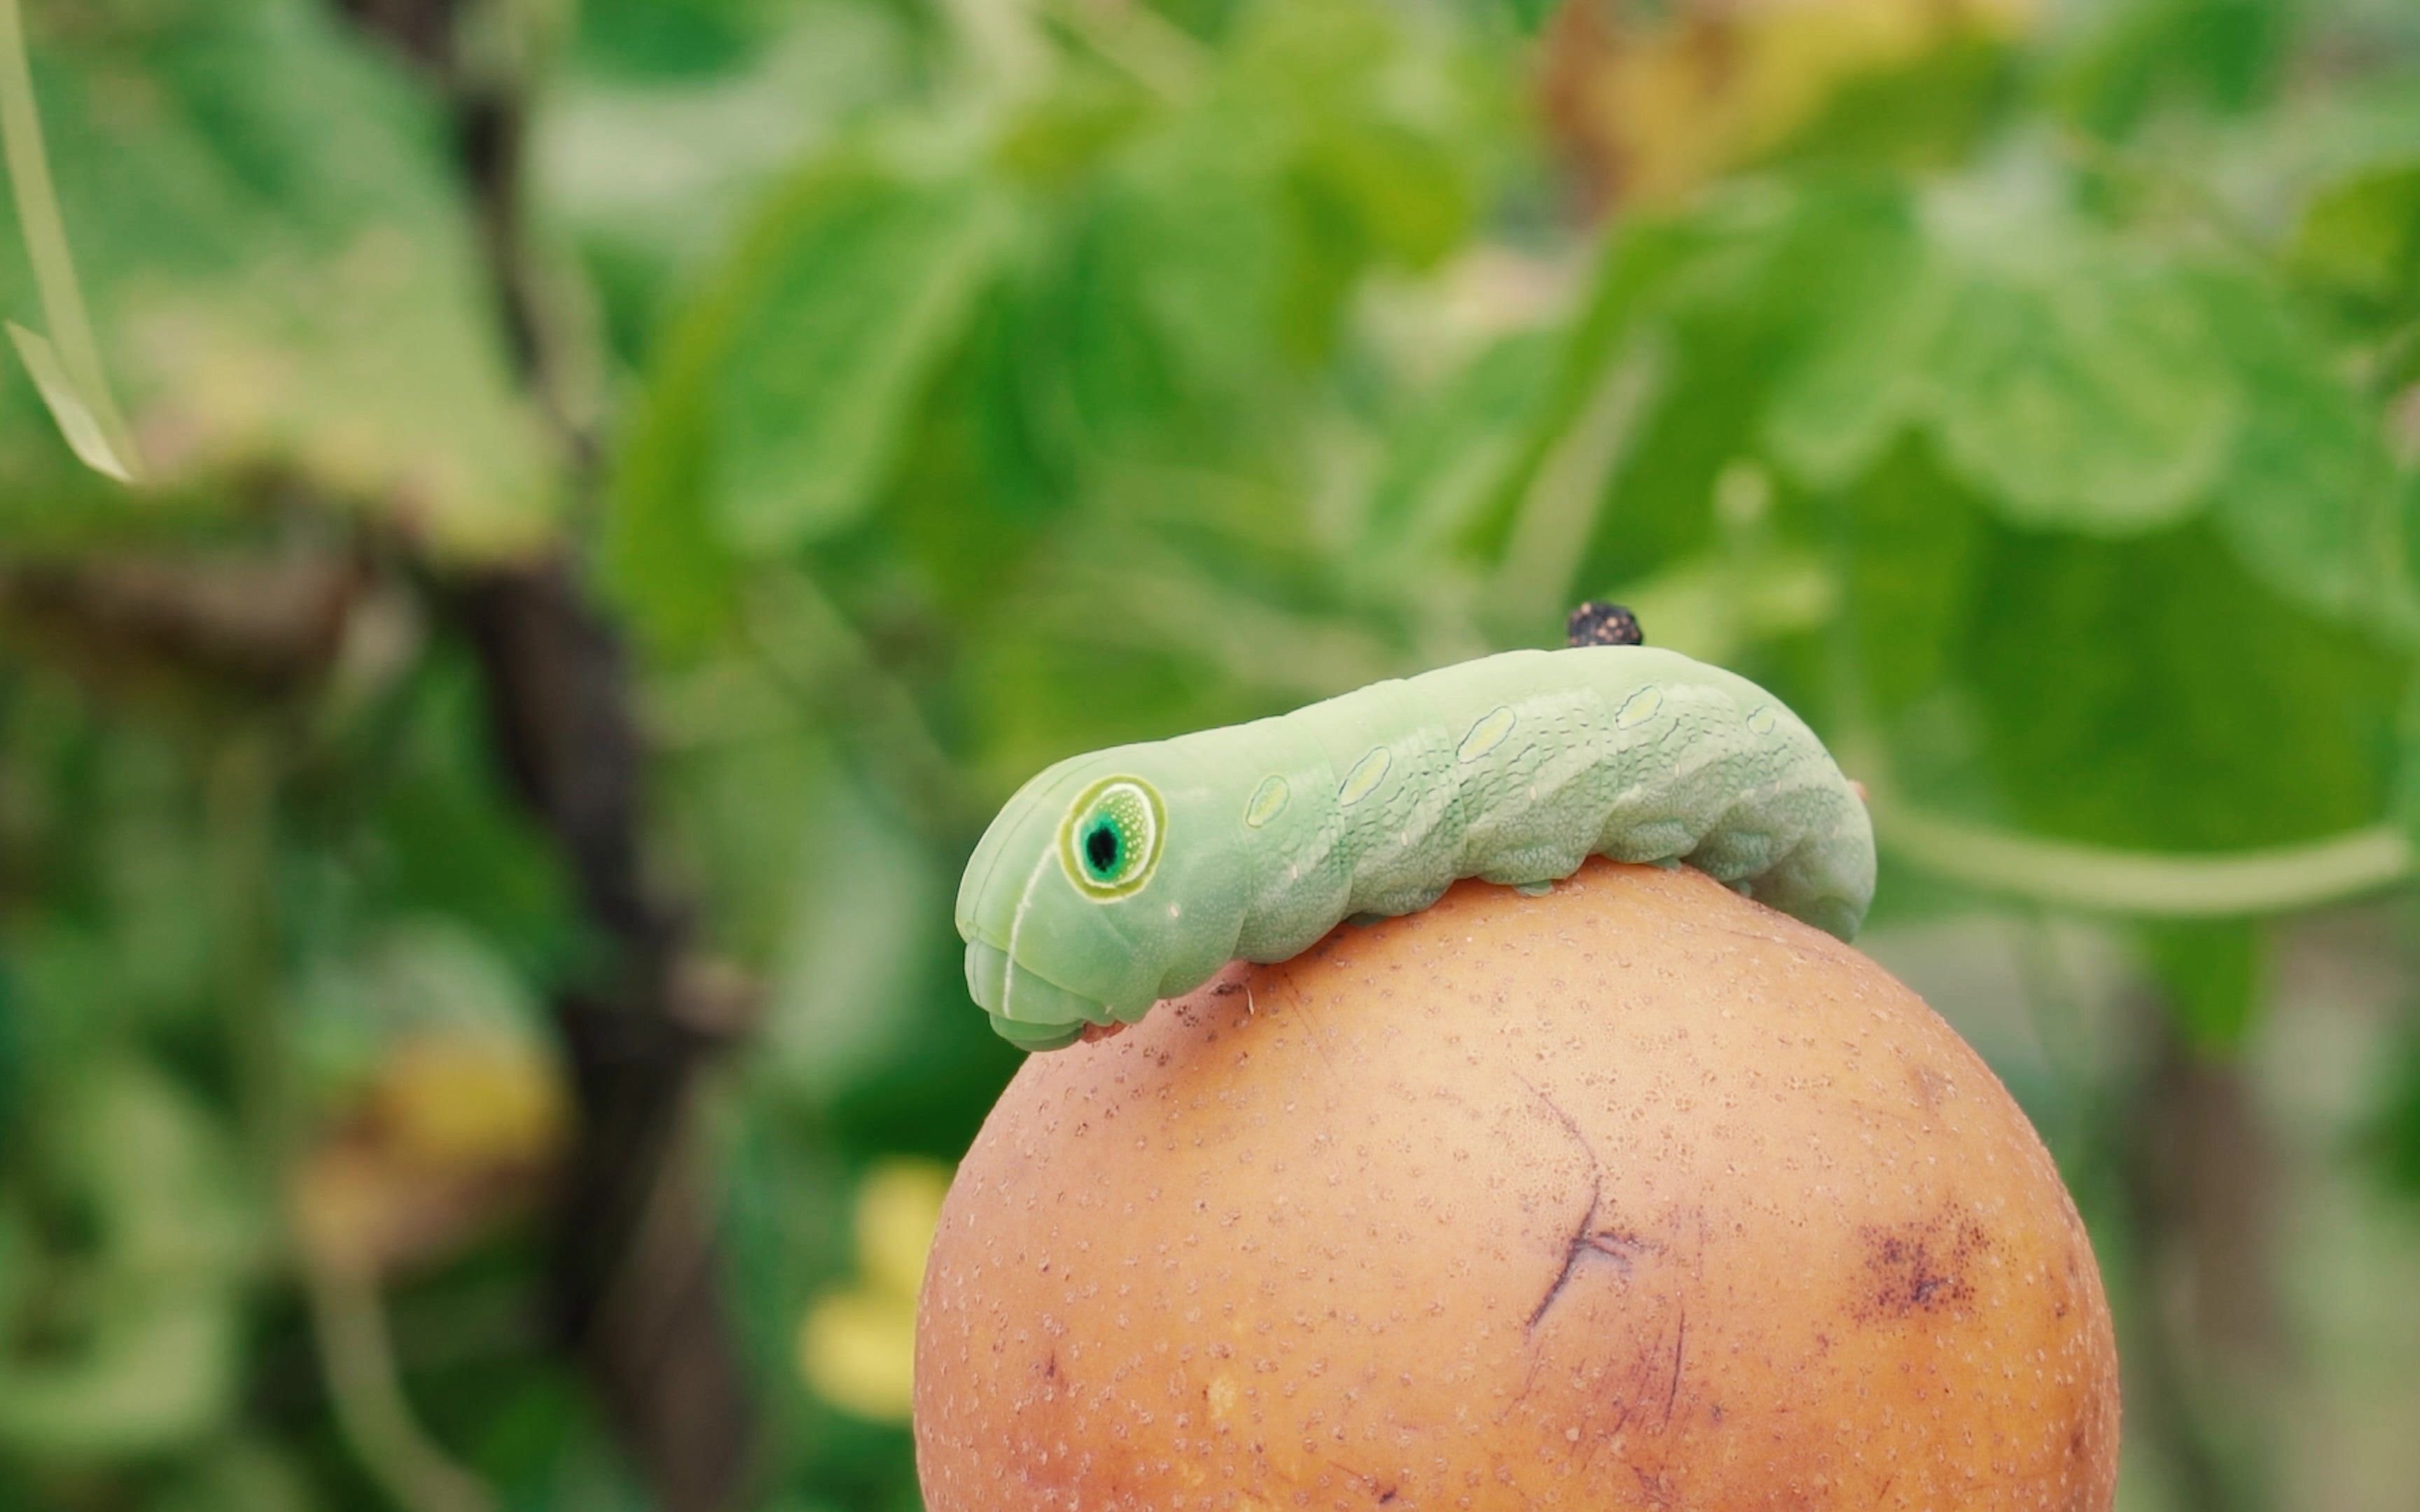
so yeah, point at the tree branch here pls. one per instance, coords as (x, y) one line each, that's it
(636, 1274)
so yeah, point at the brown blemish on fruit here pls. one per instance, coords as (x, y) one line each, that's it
(1932, 1088)
(1921, 1267)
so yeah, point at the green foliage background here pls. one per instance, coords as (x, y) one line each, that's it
(932, 391)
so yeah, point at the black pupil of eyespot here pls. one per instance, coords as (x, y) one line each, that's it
(1101, 846)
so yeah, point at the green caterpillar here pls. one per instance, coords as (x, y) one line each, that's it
(1118, 878)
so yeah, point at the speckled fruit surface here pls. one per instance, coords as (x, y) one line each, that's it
(1634, 1196)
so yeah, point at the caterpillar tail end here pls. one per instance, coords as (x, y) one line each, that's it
(1837, 917)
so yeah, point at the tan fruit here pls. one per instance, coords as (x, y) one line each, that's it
(1634, 1195)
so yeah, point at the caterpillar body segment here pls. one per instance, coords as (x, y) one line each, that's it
(1121, 877)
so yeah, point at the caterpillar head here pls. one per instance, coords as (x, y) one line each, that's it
(1097, 889)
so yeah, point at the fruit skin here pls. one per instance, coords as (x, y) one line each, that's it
(1637, 1194)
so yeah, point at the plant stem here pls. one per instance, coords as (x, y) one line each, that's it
(357, 1358)
(348, 1327)
(2149, 883)
(1560, 507)
(636, 1283)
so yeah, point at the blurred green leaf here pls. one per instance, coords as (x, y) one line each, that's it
(2406, 792)
(12, 1056)
(2090, 403)
(982, 483)
(783, 401)
(2362, 235)
(2214, 978)
(1627, 419)
(1036, 698)
(1530, 15)
(70, 375)
(854, 952)
(2308, 498)
(749, 812)
(119, 941)
(2143, 55)
(1448, 455)
(442, 837)
(1637, 268)
(1923, 113)
(244, 1475)
(1390, 194)
(1913, 540)
(2232, 719)
(281, 268)
(855, 291)
(1157, 324)
(1714, 305)
(649, 159)
(159, 1375)
(1367, 163)
(154, 1357)
(2073, 383)
(1719, 609)
(2393, 1135)
(541, 1445)
(669, 38)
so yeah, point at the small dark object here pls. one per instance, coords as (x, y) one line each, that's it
(1597, 623)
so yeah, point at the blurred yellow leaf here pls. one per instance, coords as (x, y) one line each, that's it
(270, 220)
(858, 1349)
(458, 1131)
(897, 1206)
(471, 1100)
(1658, 100)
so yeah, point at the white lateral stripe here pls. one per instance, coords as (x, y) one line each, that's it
(1017, 922)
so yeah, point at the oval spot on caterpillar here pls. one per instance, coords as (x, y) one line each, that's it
(1639, 708)
(1485, 736)
(1268, 801)
(1764, 719)
(1364, 779)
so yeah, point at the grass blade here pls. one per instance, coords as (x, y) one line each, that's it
(69, 374)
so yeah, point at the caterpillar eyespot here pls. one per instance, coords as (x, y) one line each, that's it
(1252, 841)
(1110, 840)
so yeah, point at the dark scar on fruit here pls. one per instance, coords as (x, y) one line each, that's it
(1588, 1238)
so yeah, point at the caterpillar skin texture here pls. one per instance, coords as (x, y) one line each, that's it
(1118, 878)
